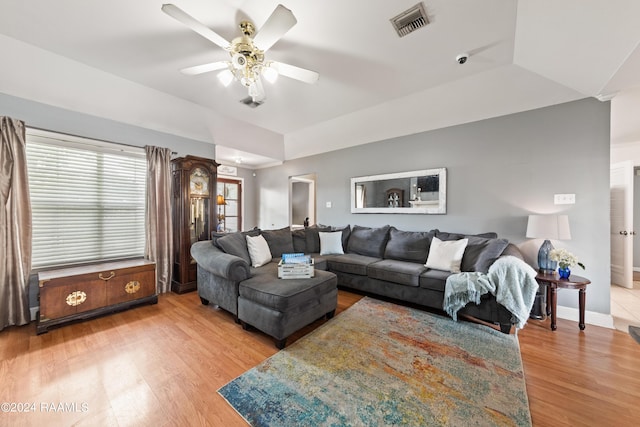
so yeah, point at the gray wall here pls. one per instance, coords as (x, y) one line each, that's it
(499, 171)
(250, 213)
(47, 117)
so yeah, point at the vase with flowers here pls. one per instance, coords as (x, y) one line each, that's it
(565, 260)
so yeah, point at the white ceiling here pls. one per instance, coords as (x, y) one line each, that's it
(119, 59)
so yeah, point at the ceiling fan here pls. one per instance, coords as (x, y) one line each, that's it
(247, 63)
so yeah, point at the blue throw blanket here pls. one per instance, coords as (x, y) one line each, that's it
(510, 280)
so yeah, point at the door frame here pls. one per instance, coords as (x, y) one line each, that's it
(310, 180)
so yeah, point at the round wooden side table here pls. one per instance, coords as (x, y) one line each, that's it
(553, 282)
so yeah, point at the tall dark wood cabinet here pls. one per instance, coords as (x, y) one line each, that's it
(194, 199)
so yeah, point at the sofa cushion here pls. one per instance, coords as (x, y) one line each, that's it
(331, 243)
(368, 241)
(408, 245)
(279, 241)
(350, 263)
(443, 235)
(313, 239)
(434, 279)
(480, 253)
(346, 233)
(512, 250)
(236, 243)
(446, 255)
(299, 239)
(215, 235)
(258, 250)
(284, 295)
(401, 272)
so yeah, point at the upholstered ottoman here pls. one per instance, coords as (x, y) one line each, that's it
(280, 307)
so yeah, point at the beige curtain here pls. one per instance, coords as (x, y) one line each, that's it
(15, 225)
(159, 234)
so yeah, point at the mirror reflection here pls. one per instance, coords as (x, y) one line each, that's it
(422, 191)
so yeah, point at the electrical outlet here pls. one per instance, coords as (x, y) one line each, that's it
(564, 199)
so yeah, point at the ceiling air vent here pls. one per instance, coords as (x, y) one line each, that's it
(250, 102)
(410, 20)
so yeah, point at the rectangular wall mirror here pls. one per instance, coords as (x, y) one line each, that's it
(415, 192)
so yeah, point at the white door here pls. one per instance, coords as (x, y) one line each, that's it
(621, 187)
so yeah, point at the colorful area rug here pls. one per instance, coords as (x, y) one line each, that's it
(379, 364)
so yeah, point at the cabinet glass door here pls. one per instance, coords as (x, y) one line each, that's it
(199, 205)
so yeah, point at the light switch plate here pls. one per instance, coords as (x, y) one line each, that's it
(328, 204)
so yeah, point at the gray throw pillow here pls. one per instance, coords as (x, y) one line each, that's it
(408, 245)
(279, 241)
(346, 233)
(368, 241)
(215, 236)
(299, 241)
(443, 235)
(480, 253)
(236, 243)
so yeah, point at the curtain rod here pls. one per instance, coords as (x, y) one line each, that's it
(86, 137)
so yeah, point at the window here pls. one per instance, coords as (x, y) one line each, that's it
(87, 199)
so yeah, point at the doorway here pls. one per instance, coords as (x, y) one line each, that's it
(621, 205)
(230, 209)
(302, 200)
(625, 259)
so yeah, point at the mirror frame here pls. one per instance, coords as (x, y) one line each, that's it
(440, 208)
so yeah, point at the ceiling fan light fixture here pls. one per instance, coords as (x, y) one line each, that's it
(256, 91)
(226, 77)
(270, 74)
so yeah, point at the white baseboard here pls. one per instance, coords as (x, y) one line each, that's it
(34, 313)
(636, 268)
(590, 317)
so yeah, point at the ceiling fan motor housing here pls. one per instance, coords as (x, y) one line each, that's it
(246, 59)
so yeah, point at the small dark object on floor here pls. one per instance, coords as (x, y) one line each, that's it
(634, 331)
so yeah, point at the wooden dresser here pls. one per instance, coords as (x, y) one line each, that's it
(77, 293)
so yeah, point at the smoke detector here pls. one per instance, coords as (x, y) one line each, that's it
(410, 20)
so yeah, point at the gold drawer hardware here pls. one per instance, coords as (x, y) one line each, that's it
(111, 276)
(76, 298)
(132, 287)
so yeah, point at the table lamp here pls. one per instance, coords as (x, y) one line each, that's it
(548, 227)
(220, 202)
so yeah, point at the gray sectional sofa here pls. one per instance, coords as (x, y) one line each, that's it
(383, 261)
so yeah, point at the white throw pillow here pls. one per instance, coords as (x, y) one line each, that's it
(331, 243)
(446, 255)
(259, 251)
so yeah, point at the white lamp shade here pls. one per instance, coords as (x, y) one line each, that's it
(270, 74)
(225, 77)
(555, 227)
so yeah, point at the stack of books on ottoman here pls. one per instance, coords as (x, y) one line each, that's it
(295, 266)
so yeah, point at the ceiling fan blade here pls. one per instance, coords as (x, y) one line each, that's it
(294, 72)
(280, 21)
(206, 32)
(205, 68)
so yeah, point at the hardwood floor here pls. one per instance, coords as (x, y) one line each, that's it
(161, 365)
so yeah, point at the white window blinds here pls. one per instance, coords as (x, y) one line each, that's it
(87, 199)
